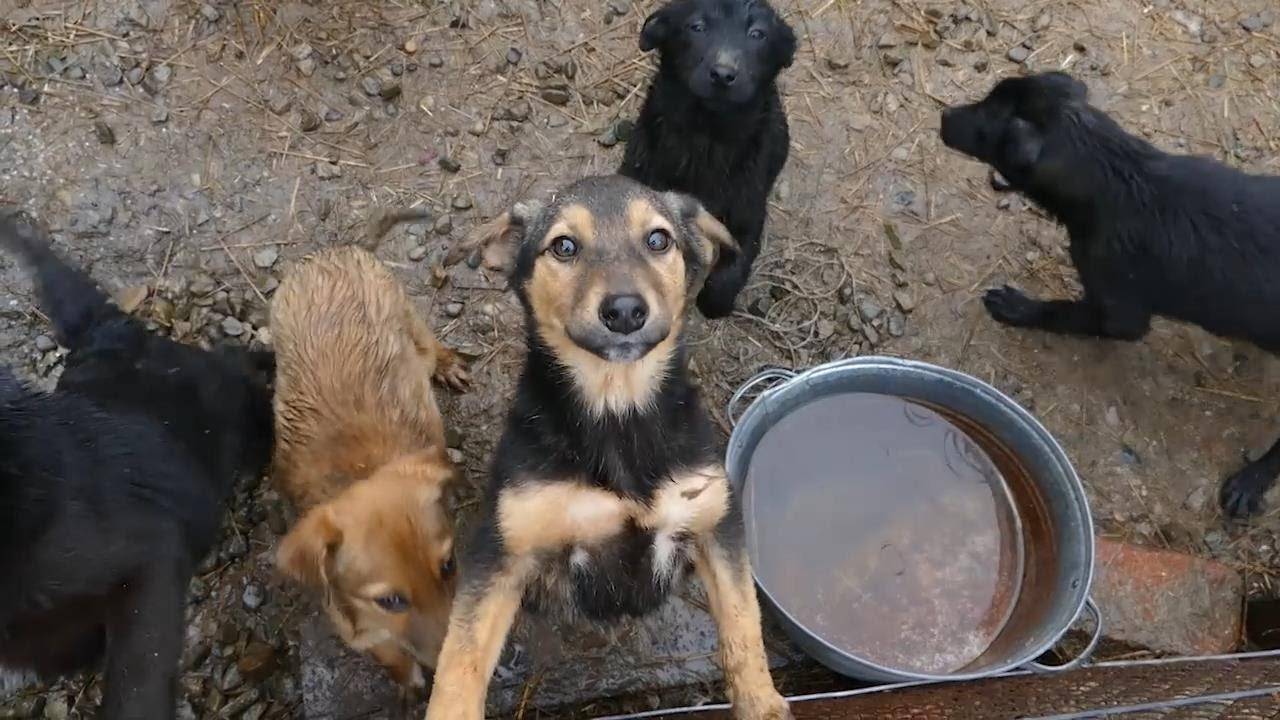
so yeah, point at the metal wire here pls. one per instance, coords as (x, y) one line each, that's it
(1159, 705)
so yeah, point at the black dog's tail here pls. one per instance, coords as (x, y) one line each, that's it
(71, 300)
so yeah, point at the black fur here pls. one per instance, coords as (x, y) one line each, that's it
(1151, 233)
(112, 488)
(724, 146)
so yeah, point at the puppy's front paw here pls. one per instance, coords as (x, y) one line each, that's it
(1010, 306)
(1241, 494)
(770, 706)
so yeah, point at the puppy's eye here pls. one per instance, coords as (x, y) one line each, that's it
(393, 603)
(658, 241)
(697, 26)
(755, 34)
(448, 568)
(564, 247)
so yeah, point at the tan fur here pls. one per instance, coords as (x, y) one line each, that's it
(360, 452)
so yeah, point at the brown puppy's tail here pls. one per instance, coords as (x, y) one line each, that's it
(73, 303)
(381, 220)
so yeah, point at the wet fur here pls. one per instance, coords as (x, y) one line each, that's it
(582, 495)
(727, 155)
(361, 452)
(113, 488)
(1151, 233)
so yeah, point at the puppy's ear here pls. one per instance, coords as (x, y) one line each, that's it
(304, 554)
(784, 43)
(655, 30)
(1021, 145)
(498, 240)
(712, 239)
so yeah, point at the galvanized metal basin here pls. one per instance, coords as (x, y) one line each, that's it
(1051, 504)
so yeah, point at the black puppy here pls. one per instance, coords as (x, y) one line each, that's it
(1151, 233)
(712, 124)
(112, 488)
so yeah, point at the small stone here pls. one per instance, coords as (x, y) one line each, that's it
(513, 56)
(1257, 60)
(1004, 203)
(232, 327)
(453, 309)
(417, 253)
(826, 328)
(1198, 500)
(302, 51)
(477, 128)
(390, 91)
(75, 72)
(904, 300)
(131, 298)
(837, 62)
(134, 75)
(556, 94)
(623, 128)
(103, 131)
(410, 45)
(239, 704)
(44, 343)
(160, 116)
(860, 121)
(1217, 81)
(608, 138)
(455, 456)
(516, 112)
(57, 707)
(306, 66)
(981, 64)
(1253, 23)
(448, 164)
(328, 171)
(461, 201)
(1042, 21)
(332, 115)
(397, 69)
(436, 61)
(443, 225)
(500, 155)
(110, 76)
(888, 40)
(900, 154)
(231, 679)
(257, 662)
(210, 13)
(266, 257)
(870, 333)
(371, 85)
(998, 182)
(869, 309)
(254, 596)
(28, 96)
(897, 324)
(1112, 416)
(1019, 53)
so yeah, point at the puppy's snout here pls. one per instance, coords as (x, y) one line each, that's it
(723, 74)
(624, 314)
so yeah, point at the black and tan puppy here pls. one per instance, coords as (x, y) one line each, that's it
(606, 486)
(1151, 233)
(112, 488)
(712, 125)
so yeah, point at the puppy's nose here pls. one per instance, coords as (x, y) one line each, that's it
(723, 75)
(624, 314)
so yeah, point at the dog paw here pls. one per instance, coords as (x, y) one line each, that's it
(454, 376)
(770, 707)
(1241, 494)
(1010, 306)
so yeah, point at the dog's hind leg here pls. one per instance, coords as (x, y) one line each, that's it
(1118, 321)
(144, 642)
(448, 367)
(1241, 494)
(726, 574)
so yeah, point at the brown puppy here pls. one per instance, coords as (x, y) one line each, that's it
(606, 488)
(361, 453)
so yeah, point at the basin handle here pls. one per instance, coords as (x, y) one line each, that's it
(1083, 657)
(769, 375)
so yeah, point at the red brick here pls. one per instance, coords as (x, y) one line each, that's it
(1168, 601)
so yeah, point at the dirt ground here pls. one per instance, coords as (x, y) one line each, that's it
(189, 152)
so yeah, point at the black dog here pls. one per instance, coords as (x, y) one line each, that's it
(712, 125)
(112, 488)
(1151, 233)
(606, 487)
